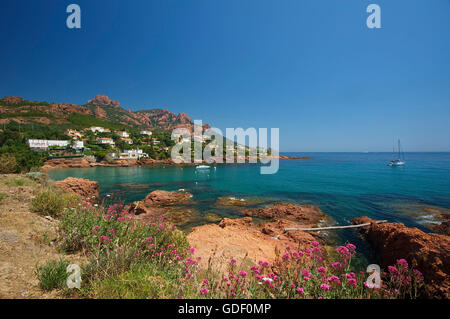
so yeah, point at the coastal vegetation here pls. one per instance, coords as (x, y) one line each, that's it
(150, 258)
(123, 255)
(15, 155)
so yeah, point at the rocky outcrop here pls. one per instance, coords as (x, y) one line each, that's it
(305, 214)
(442, 228)
(284, 157)
(12, 99)
(99, 112)
(152, 203)
(103, 100)
(67, 163)
(430, 253)
(240, 239)
(80, 186)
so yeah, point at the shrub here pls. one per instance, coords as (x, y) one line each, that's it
(149, 258)
(53, 275)
(48, 202)
(8, 164)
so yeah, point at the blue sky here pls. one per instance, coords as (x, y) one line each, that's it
(311, 68)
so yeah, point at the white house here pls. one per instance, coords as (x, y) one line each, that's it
(149, 133)
(45, 144)
(123, 134)
(78, 144)
(73, 134)
(155, 141)
(130, 154)
(127, 140)
(105, 140)
(98, 129)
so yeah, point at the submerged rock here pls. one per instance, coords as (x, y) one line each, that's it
(231, 201)
(305, 214)
(80, 186)
(429, 252)
(211, 217)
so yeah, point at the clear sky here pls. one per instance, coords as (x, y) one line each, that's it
(311, 68)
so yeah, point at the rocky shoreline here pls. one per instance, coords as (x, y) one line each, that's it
(263, 239)
(428, 252)
(86, 162)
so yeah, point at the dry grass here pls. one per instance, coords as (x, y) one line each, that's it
(26, 239)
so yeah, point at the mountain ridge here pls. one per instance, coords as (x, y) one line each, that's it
(101, 107)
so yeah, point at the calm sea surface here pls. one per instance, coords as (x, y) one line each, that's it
(343, 185)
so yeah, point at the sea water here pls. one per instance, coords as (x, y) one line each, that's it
(343, 185)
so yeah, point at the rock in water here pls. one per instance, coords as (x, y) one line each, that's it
(305, 214)
(157, 199)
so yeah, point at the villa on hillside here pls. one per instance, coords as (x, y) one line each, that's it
(78, 145)
(99, 129)
(149, 133)
(123, 134)
(155, 141)
(127, 140)
(46, 144)
(73, 134)
(129, 154)
(105, 140)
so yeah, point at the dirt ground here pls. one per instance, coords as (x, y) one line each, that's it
(26, 239)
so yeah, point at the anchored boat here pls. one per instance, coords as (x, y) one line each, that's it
(399, 161)
(202, 167)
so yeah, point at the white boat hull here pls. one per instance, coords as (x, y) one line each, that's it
(396, 163)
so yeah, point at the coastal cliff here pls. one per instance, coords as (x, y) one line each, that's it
(428, 252)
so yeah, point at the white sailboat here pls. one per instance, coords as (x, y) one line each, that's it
(399, 161)
(202, 167)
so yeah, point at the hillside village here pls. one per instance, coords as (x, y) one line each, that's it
(33, 132)
(96, 139)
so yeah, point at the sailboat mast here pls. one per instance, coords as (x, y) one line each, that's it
(399, 149)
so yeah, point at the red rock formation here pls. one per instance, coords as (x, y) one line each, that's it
(305, 214)
(240, 238)
(115, 103)
(80, 186)
(430, 252)
(64, 109)
(157, 199)
(100, 100)
(12, 99)
(284, 157)
(66, 163)
(442, 228)
(99, 112)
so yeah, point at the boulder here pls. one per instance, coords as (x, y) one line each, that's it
(305, 214)
(80, 186)
(442, 228)
(430, 253)
(241, 239)
(158, 199)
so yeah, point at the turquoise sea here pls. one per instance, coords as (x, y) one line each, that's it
(343, 185)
